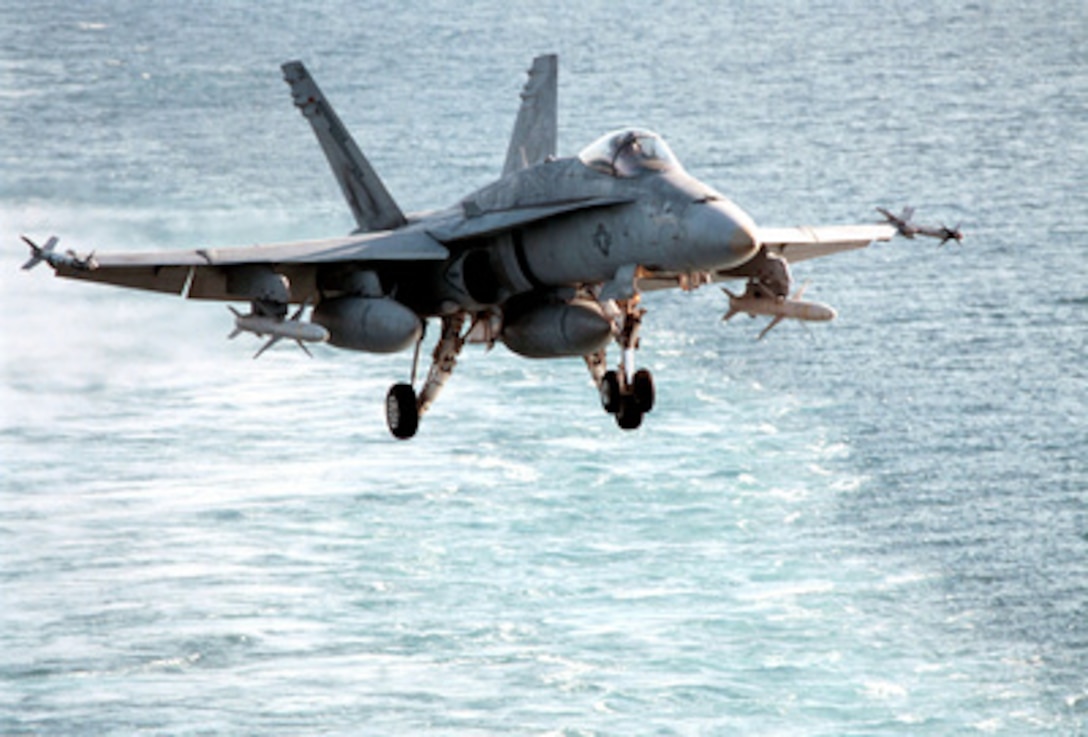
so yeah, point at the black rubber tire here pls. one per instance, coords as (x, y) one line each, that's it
(401, 411)
(644, 390)
(629, 416)
(610, 392)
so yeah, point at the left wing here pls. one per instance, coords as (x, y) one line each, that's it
(805, 242)
(206, 273)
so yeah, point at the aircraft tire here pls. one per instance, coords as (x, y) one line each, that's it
(402, 411)
(644, 390)
(629, 416)
(610, 392)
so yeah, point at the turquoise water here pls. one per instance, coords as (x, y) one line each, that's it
(879, 526)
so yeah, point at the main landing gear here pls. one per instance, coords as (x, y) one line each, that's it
(403, 408)
(628, 394)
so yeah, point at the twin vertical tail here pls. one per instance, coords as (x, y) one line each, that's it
(908, 229)
(533, 140)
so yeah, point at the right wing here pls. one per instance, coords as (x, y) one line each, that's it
(536, 130)
(207, 273)
(370, 202)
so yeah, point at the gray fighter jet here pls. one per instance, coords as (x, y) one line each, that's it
(551, 260)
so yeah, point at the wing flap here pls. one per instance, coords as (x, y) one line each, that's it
(806, 242)
(170, 279)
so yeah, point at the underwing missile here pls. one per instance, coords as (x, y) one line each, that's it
(277, 329)
(779, 308)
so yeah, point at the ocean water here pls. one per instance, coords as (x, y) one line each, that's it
(874, 527)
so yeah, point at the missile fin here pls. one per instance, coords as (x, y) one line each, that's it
(271, 342)
(769, 327)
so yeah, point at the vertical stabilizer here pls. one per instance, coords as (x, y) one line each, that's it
(535, 131)
(370, 202)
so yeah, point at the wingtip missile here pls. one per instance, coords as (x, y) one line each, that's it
(907, 229)
(48, 254)
(901, 222)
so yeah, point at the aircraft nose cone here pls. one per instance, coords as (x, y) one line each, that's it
(743, 243)
(725, 234)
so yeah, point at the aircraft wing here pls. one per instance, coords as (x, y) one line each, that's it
(203, 273)
(805, 242)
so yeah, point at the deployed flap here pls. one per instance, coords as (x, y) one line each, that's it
(370, 202)
(802, 243)
(535, 132)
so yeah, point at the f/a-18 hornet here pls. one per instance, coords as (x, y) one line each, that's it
(551, 259)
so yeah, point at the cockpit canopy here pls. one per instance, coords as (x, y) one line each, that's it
(628, 153)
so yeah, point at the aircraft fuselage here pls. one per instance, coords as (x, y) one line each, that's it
(659, 221)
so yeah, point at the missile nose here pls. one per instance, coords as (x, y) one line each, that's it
(829, 313)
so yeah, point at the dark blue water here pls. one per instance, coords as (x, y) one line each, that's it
(879, 526)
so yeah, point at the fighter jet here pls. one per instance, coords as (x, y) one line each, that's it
(551, 260)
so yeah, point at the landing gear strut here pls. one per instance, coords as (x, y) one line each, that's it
(403, 408)
(628, 394)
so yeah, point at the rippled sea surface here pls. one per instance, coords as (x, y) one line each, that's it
(879, 526)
